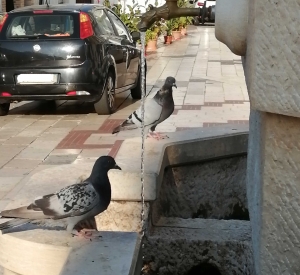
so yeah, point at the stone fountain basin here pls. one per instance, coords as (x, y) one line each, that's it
(123, 214)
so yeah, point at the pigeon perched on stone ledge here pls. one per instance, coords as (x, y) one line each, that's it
(157, 109)
(73, 203)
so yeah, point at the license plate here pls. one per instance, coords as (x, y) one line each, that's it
(37, 78)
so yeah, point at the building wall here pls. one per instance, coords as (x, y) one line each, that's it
(142, 3)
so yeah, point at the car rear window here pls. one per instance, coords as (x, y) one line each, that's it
(46, 26)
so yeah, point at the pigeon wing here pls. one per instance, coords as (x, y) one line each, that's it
(152, 114)
(74, 200)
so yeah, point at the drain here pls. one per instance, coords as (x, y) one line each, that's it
(204, 269)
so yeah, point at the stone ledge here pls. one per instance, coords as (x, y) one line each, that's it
(52, 252)
(205, 229)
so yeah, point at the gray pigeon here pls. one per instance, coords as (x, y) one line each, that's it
(157, 109)
(73, 203)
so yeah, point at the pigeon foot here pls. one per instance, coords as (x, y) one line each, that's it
(157, 135)
(88, 234)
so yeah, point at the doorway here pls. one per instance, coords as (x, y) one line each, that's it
(9, 5)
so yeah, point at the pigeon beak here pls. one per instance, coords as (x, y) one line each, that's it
(117, 167)
(174, 85)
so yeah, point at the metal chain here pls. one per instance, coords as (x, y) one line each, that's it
(143, 88)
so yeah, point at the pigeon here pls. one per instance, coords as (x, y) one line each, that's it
(73, 203)
(157, 109)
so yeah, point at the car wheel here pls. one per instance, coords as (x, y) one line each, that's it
(136, 92)
(106, 105)
(4, 109)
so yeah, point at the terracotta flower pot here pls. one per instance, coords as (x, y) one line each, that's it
(183, 31)
(176, 35)
(151, 46)
(168, 39)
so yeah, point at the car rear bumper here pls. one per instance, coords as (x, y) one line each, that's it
(49, 92)
(81, 78)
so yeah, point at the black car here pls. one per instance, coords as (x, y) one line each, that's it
(74, 52)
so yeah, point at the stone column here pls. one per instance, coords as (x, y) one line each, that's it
(272, 73)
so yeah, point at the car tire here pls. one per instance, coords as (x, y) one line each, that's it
(204, 10)
(106, 105)
(136, 92)
(4, 109)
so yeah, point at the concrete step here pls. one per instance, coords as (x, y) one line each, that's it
(51, 252)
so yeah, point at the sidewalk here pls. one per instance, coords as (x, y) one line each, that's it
(211, 91)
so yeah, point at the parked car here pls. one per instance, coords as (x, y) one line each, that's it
(70, 52)
(207, 13)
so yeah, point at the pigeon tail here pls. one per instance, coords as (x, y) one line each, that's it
(23, 213)
(117, 129)
(14, 223)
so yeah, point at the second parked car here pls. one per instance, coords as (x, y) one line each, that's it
(207, 13)
(74, 52)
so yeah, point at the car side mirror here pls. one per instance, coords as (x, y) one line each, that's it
(135, 36)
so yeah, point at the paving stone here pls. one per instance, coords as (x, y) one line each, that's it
(62, 152)
(7, 183)
(34, 153)
(20, 140)
(14, 172)
(60, 159)
(94, 153)
(23, 163)
(66, 124)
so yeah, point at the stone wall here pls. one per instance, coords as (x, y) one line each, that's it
(272, 71)
(18, 4)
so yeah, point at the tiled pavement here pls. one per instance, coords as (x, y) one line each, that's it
(211, 91)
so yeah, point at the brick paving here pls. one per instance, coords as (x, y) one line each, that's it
(211, 91)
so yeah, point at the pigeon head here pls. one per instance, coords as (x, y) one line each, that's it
(170, 80)
(105, 163)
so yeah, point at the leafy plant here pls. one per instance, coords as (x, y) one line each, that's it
(153, 32)
(174, 24)
(166, 27)
(184, 21)
(129, 18)
(106, 3)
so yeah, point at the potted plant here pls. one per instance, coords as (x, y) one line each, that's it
(152, 35)
(167, 31)
(151, 39)
(175, 27)
(184, 21)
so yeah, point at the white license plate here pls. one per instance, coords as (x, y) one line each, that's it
(37, 78)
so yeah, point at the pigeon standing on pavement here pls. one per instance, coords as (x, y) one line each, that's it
(157, 109)
(73, 203)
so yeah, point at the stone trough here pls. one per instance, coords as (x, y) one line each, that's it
(201, 217)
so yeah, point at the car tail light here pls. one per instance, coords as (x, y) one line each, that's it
(3, 21)
(42, 11)
(86, 28)
(71, 93)
(200, 4)
(5, 94)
